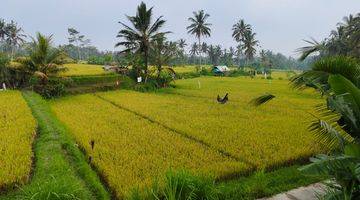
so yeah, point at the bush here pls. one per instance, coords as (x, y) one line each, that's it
(100, 60)
(180, 185)
(54, 87)
(150, 85)
(237, 72)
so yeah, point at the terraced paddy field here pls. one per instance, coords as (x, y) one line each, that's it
(137, 137)
(83, 69)
(17, 132)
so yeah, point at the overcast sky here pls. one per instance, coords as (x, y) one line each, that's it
(280, 24)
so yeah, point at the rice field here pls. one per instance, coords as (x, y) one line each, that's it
(83, 69)
(130, 151)
(17, 132)
(139, 136)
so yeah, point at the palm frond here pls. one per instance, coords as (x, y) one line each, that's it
(262, 99)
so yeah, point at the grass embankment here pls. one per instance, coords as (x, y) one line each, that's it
(61, 171)
(267, 184)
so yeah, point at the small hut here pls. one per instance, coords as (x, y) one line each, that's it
(220, 69)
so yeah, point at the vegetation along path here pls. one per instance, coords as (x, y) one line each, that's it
(61, 170)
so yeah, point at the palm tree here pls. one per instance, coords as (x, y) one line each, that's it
(161, 53)
(194, 50)
(199, 27)
(182, 44)
(44, 60)
(14, 35)
(2, 29)
(345, 40)
(314, 47)
(239, 30)
(139, 35)
(250, 44)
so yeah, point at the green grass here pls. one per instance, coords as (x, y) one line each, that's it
(265, 184)
(61, 171)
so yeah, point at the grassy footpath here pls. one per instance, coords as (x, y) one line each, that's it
(61, 170)
(265, 184)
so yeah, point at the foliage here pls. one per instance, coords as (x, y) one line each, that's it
(55, 87)
(12, 34)
(138, 38)
(162, 52)
(100, 60)
(180, 185)
(43, 61)
(79, 41)
(119, 135)
(339, 125)
(342, 41)
(4, 70)
(18, 129)
(262, 99)
(199, 27)
(319, 73)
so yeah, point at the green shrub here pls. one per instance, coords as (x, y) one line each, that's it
(180, 185)
(54, 87)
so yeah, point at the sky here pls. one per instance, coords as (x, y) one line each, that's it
(280, 25)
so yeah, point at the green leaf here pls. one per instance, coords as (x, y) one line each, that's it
(352, 150)
(346, 101)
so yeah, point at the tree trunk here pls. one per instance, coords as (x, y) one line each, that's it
(146, 64)
(199, 53)
(79, 56)
(12, 52)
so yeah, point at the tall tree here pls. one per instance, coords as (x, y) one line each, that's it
(2, 30)
(14, 36)
(239, 29)
(182, 43)
(161, 53)
(76, 39)
(194, 50)
(250, 44)
(199, 27)
(138, 36)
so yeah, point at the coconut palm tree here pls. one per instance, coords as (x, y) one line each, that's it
(2, 29)
(161, 53)
(344, 40)
(199, 27)
(250, 44)
(182, 43)
(194, 50)
(239, 29)
(138, 36)
(14, 36)
(44, 60)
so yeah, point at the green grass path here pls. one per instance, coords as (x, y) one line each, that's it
(61, 170)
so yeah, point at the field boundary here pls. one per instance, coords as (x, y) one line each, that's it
(181, 133)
